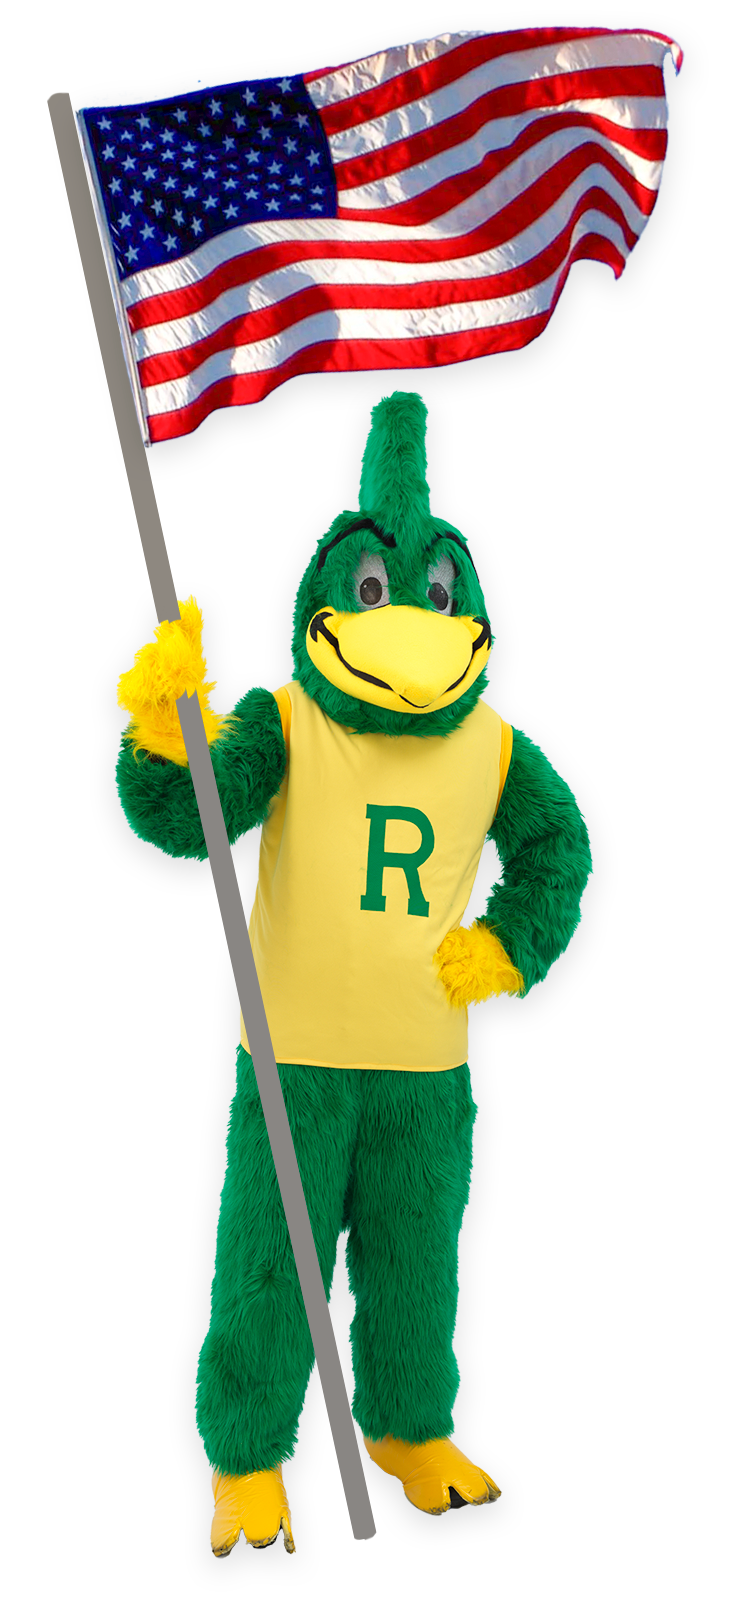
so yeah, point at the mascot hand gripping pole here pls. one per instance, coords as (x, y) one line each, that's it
(377, 775)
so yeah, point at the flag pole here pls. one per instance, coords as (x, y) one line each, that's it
(213, 824)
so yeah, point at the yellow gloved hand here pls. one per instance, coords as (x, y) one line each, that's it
(164, 670)
(473, 965)
(255, 1504)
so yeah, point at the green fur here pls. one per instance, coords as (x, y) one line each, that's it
(544, 848)
(249, 761)
(387, 1156)
(393, 487)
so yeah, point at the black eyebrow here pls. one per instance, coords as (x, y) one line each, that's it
(388, 539)
(445, 535)
(352, 528)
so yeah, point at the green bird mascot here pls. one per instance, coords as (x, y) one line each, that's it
(377, 775)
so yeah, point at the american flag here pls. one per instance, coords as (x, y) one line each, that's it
(417, 207)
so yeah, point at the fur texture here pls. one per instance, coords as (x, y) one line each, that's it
(473, 966)
(249, 761)
(164, 670)
(387, 1156)
(544, 848)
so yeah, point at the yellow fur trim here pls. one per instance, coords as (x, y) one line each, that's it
(164, 669)
(473, 965)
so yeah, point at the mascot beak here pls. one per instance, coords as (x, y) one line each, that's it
(406, 658)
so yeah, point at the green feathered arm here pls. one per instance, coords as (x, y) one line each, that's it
(544, 848)
(249, 761)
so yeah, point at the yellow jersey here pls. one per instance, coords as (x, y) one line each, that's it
(367, 860)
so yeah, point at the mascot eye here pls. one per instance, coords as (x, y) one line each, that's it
(371, 583)
(440, 588)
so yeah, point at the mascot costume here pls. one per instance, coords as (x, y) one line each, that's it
(377, 775)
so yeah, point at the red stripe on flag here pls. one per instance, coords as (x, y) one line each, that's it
(510, 102)
(268, 258)
(520, 212)
(343, 356)
(417, 82)
(268, 321)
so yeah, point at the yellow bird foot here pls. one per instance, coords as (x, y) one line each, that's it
(436, 1476)
(255, 1504)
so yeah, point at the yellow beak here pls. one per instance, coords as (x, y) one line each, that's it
(404, 658)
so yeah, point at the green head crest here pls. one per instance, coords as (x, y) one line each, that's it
(393, 487)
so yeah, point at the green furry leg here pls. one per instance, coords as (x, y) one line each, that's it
(389, 1155)
(409, 1188)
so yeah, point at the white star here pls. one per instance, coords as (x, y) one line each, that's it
(125, 220)
(147, 144)
(275, 110)
(104, 123)
(158, 207)
(131, 254)
(171, 242)
(249, 97)
(189, 148)
(265, 133)
(253, 155)
(230, 183)
(296, 181)
(170, 183)
(272, 205)
(196, 223)
(147, 232)
(284, 84)
(108, 152)
(231, 211)
(204, 129)
(316, 207)
(166, 136)
(169, 155)
(189, 192)
(291, 146)
(178, 216)
(251, 194)
(317, 190)
(275, 167)
(209, 173)
(215, 107)
(229, 143)
(128, 164)
(189, 163)
(143, 121)
(240, 121)
(180, 115)
(150, 172)
(209, 203)
(313, 158)
(136, 197)
(126, 134)
(302, 120)
(115, 186)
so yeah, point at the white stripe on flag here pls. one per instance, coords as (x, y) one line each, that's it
(283, 282)
(219, 325)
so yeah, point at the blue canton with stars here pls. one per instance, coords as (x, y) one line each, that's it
(175, 173)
